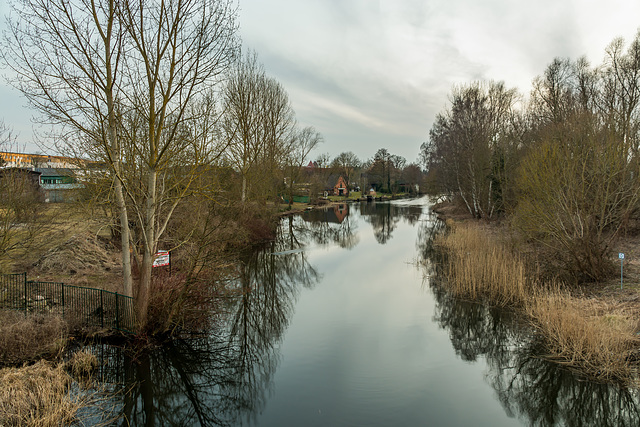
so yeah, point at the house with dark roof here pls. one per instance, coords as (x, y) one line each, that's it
(337, 185)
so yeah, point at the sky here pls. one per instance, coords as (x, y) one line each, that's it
(371, 74)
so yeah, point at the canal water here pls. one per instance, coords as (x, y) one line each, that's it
(340, 322)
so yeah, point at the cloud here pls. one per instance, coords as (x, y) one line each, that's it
(386, 67)
(374, 73)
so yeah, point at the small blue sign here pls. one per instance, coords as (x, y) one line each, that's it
(621, 255)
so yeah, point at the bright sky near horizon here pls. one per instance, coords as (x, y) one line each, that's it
(369, 74)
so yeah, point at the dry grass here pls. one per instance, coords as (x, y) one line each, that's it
(598, 336)
(29, 338)
(81, 260)
(44, 394)
(83, 365)
(478, 266)
(37, 395)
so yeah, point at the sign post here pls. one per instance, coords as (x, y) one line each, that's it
(621, 256)
(163, 258)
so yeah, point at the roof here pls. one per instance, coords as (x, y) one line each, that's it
(55, 172)
(333, 179)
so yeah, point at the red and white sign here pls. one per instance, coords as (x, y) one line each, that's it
(162, 258)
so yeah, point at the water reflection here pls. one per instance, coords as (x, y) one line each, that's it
(332, 225)
(227, 377)
(535, 390)
(384, 217)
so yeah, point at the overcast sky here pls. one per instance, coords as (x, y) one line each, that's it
(372, 74)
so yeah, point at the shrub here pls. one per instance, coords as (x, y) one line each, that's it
(180, 304)
(29, 338)
(576, 191)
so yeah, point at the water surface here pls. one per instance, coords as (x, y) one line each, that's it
(339, 324)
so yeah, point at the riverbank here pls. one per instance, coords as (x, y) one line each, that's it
(326, 202)
(39, 385)
(592, 328)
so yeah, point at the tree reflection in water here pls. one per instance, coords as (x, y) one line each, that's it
(535, 390)
(384, 217)
(224, 377)
(332, 225)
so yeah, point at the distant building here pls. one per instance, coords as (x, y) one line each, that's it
(58, 184)
(22, 160)
(25, 181)
(337, 185)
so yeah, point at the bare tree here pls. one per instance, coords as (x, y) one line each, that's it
(346, 163)
(467, 145)
(66, 56)
(123, 77)
(21, 218)
(620, 95)
(323, 160)
(258, 125)
(305, 141)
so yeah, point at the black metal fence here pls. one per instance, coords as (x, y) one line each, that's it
(81, 307)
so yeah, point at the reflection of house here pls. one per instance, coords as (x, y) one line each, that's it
(341, 211)
(334, 214)
(337, 185)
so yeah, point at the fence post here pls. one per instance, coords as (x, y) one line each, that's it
(25, 297)
(62, 285)
(101, 311)
(117, 313)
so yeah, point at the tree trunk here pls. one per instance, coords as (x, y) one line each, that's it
(124, 239)
(142, 301)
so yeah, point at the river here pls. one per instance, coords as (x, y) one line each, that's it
(340, 323)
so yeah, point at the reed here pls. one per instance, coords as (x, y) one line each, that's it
(37, 395)
(83, 365)
(29, 338)
(477, 266)
(597, 336)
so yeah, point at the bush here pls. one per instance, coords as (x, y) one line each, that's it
(29, 338)
(179, 304)
(576, 191)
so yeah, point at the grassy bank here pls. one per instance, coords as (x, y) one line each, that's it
(37, 387)
(596, 335)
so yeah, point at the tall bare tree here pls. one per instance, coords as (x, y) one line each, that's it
(620, 95)
(467, 145)
(305, 140)
(346, 163)
(259, 126)
(123, 77)
(66, 57)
